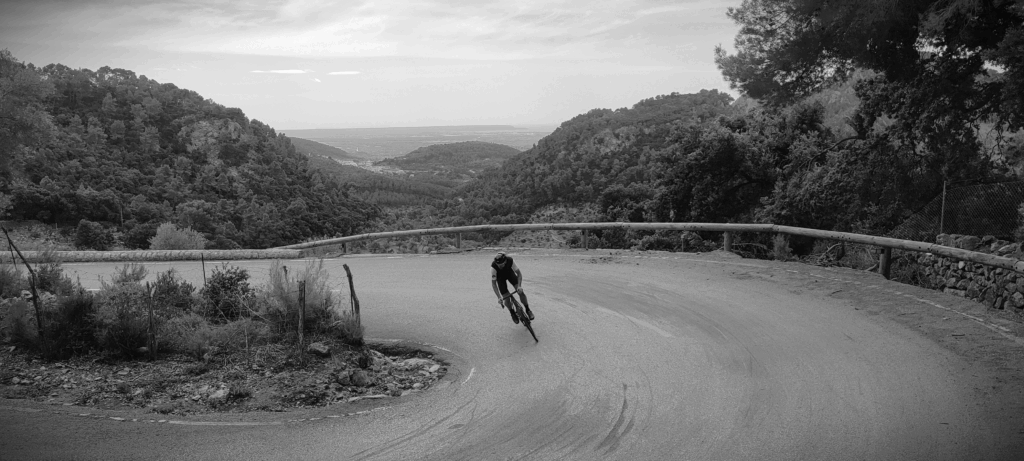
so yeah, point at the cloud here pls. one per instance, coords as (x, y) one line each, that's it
(316, 80)
(282, 71)
(490, 30)
(345, 72)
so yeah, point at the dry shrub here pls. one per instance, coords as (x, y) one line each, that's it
(122, 314)
(194, 335)
(280, 301)
(780, 248)
(348, 329)
(50, 276)
(189, 334)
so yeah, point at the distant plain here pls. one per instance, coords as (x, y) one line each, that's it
(380, 143)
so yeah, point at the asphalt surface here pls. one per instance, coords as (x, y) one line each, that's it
(641, 357)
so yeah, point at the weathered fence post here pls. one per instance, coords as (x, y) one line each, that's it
(458, 240)
(32, 286)
(884, 262)
(152, 329)
(727, 241)
(302, 312)
(202, 259)
(352, 289)
(586, 239)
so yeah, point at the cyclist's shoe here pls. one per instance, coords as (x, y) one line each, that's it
(529, 313)
(515, 318)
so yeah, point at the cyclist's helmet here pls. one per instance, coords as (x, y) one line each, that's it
(500, 258)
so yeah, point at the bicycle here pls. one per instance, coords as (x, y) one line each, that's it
(523, 318)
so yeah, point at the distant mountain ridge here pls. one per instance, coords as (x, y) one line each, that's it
(398, 130)
(376, 144)
(457, 161)
(305, 146)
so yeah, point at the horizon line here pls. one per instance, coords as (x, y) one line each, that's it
(503, 125)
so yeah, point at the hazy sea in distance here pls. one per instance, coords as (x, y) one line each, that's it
(380, 143)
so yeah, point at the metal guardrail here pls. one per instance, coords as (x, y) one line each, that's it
(888, 244)
(159, 255)
(296, 250)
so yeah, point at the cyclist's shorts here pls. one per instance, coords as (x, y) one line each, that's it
(501, 283)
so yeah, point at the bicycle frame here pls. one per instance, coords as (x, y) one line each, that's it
(523, 318)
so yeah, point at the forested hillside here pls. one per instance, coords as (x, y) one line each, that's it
(120, 154)
(457, 161)
(384, 190)
(700, 158)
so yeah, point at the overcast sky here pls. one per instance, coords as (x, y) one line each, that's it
(323, 64)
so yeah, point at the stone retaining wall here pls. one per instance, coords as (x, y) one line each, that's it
(997, 288)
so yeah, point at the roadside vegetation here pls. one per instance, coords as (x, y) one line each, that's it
(129, 318)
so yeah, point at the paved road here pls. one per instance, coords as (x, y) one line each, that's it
(691, 357)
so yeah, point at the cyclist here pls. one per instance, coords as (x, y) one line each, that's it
(503, 270)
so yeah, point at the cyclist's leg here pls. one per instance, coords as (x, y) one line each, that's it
(506, 299)
(522, 295)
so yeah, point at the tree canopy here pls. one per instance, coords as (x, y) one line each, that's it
(940, 68)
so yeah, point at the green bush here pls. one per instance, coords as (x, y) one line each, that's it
(226, 293)
(122, 315)
(50, 276)
(68, 326)
(172, 296)
(11, 281)
(92, 236)
(139, 235)
(18, 325)
(171, 237)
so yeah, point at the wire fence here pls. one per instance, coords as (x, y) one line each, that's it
(982, 209)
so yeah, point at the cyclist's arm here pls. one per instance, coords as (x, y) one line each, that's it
(494, 283)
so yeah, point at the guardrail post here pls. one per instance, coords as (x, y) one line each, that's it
(884, 262)
(727, 241)
(586, 239)
(458, 240)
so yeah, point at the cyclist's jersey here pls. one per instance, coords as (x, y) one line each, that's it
(505, 273)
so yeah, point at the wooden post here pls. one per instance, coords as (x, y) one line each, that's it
(458, 240)
(352, 289)
(203, 259)
(32, 286)
(727, 241)
(152, 328)
(586, 239)
(942, 212)
(884, 262)
(302, 312)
